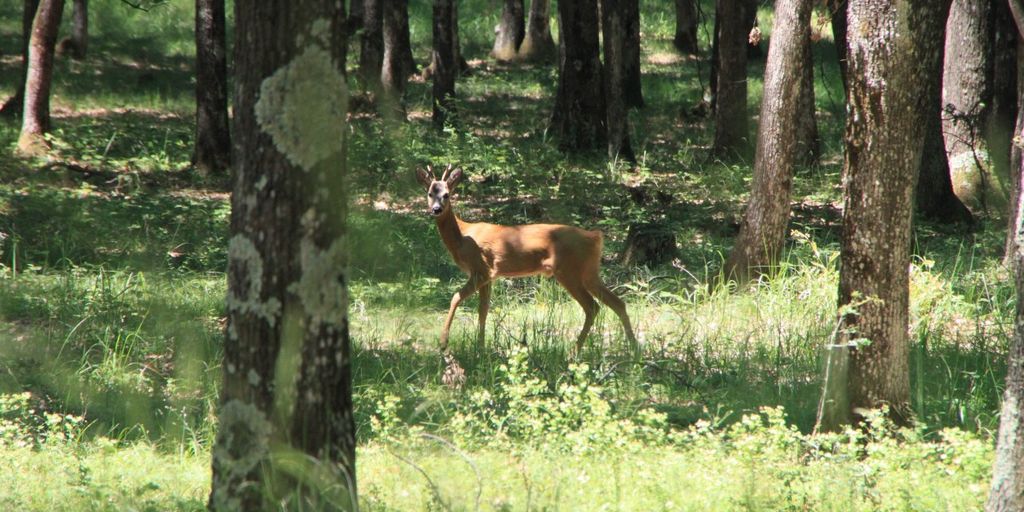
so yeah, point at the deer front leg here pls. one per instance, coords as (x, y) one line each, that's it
(485, 305)
(470, 288)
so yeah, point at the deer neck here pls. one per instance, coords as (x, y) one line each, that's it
(450, 228)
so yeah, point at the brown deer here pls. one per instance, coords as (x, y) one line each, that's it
(489, 251)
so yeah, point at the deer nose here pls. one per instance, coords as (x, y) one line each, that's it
(436, 210)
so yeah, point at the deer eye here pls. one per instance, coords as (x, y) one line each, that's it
(444, 197)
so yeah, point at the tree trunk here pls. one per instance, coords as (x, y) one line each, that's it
(885, 131)
(286, 435)
(79, 29)
(966, 96)
(538, 46)
(1016, 160)
(398, 63)
(808, 142)
(614, 21)
(36, 111)
(686, 27)
(1003, 112)
(578, 120)
(731, 122)
(13, 105)
(509, 33)
(631, 52)
(763, 231)
(444, 60)
(355, 15)
(837, 9)
(371, 50)
(213, 139)
(934, 197)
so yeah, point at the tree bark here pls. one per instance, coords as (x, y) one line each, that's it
(39, 77)
(1016, 160)
(286, 434)
(213, 138)
(934, 197)
(1007, 492)
(355, 15)
(398, 64)
(614, 21)
(444, 60)
(371, 49)
(686, 27)
(578, 120)
(1003, 112)
(631, 53)
(966, 98)
(731, 122)
(538, 46)
(14, 105)
(509, 33)
(837, 8)
(79, 29)
(884, 140)
(808, 142)
(763, 231)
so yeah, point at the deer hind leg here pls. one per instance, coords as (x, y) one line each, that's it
(579, 292)
(485, 305)
(595, 286)
(474, 284)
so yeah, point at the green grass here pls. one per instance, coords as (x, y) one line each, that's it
(112, 258)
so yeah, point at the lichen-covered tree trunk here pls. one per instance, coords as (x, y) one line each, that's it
(966, 99)
(934, 197)
(14, 104)
(578, 120)
(35, 120)
(633, 89)
(731, 120)
(686, 27)
(444, 60)
(538, 45)
(371, 49)
(286, 435)
(213, 139)
(614, 20)
(511, 30)
(763, 230)
(1007, 492)
(398, 63)
(884, 139)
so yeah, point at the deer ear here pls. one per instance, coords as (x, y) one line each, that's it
(423, 177)
(455, 177)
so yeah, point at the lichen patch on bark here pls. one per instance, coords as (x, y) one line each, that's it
(302, 108)
(242, 252)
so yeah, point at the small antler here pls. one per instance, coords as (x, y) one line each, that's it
(447, 170)
(430, 170)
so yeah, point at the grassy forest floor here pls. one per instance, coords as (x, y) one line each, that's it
(112, 285)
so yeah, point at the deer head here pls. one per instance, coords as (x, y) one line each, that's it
(439, 191)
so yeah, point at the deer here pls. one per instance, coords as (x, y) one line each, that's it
(486, 251)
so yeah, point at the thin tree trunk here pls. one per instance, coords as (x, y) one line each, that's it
(731, 121)
(807, 138)
(885, 131)
(934, 197)
(355, 15)
(966, 98)
(1007, 491)
(1016, 160)
(371, 50)
(39, 78)
(14, 104)
(763, 231)
(538, 46)
(998, 130)
(286, 435)
(686, 27)
(79, 29)
(837, 8)
(614, 21)
(509, 33)
(213, 138)
(444, 60)
(397, 54)
(633, 88)
(578, 120)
